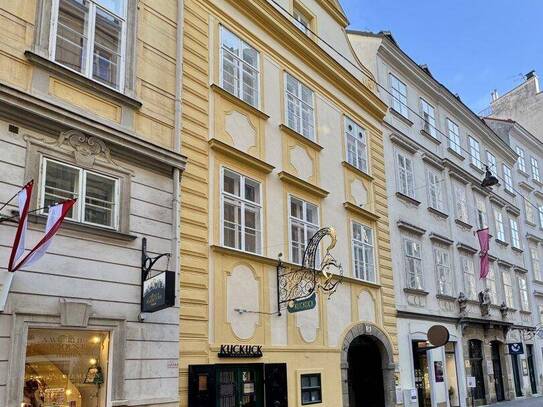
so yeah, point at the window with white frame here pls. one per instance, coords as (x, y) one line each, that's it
(301, 20)
(303, 224)
(521, 159)
(541, 314)
(461, 203)
(398, 89)
(491, 162)
(475, 152)
(535, 169)
(500, 228)
(480, 205)
(453, 133)
(536, 263)
(435, 191)
(515, 235)
(240, 68)
(97, 195)
(507, 177)
(357, 148)
(540, 211)
(529, 211)
(428, 115)
(363, 252)
(490, 283)
(406, 178)
(300, 108)
(508, 288)
(89, 37)
(523, 293)
(241, 212)
(413, 263)
(470, 284)
(442, 261)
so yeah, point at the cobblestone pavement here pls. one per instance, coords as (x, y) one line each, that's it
(527, 402)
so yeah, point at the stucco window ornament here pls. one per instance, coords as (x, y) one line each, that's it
(86, 148)
(296, 285)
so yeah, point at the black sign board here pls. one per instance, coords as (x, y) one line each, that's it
(516, 348)
(240, 351)
(158, 292)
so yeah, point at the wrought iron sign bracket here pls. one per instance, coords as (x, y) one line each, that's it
(147, 262)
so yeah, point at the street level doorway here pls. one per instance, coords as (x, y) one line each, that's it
(516, 375)
(422, 376)
(531, 367)
(497, 368)
(365, 374)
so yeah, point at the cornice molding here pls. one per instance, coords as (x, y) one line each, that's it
(303, 185)
(409, 227)
(357, 210)
(238, 102)
(241, 156)
(300, 137)
(334, 9)
(466, 248)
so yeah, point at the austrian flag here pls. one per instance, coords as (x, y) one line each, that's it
(484, 241)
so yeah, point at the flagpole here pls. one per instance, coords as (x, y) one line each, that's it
(32, 211)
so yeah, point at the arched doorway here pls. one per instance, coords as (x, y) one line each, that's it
(367, 368)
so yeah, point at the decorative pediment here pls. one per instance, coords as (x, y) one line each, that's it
(86, 148)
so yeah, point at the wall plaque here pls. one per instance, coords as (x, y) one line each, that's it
(240, 351)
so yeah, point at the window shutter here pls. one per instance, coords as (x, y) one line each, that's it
(276, 384)
(202, 386)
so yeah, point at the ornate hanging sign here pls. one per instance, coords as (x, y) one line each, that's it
(158, 290)
(297, 286)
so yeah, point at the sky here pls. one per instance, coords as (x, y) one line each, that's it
(471, 46)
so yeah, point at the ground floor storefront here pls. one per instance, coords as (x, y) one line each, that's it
(359, 373)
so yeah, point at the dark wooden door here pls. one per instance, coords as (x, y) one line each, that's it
(498, 373)
(531, 367)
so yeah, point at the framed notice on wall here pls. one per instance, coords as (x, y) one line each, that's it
(438, 371)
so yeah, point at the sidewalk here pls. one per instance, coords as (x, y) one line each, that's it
(527, 402)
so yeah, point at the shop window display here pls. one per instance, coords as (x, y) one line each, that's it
(66, 368)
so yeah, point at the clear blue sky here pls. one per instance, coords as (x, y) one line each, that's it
(471, 46)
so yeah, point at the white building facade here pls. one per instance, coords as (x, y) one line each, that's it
(437, 150)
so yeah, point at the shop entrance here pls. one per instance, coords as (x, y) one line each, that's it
(531, 367)
(452, 374)
(420, 369)
(476, 362)
(239, 386)
(497, 368)
(516, 375)
(365, 373)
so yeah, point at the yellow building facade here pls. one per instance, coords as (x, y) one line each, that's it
(282, 139)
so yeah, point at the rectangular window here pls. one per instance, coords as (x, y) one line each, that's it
(491, 162)
(453, 134)
(406, 178)
(529, 211)
(398, 90)
(536, 264)
(357, 149)
(540, 210)
(469, 276)
(302, 21)
(97, 195)
(461, 203)
(521, 159)
(311, 388)
(300, 107)
(523, 293)
(413, 263)
(491, 284)
(508, 288)
(66, 368)
(507, 177)
(428, 115)
(364, 265)
(535, 169)
(475, 152)
(443, 271)
(90, 38)
(435, 191)
(482, 221)
(500, 229)
(515, 237)
(241, 212)
(303, 224)
(240, 68)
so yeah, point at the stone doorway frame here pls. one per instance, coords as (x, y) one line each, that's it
(387, 360)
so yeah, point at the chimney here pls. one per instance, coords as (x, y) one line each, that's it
(494, 95)
(532, 76)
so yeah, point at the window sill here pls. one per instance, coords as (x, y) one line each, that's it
(477, 168)
(84, 228)
(445, 297)
(526, 312)
(501, 242)
(239, 102)
(517, 249)
(463, 224)
(437, 212)
(300, 137)
(248, 159)
(88, 83)
(539, 183)
(523, 173)
(510, 192)
(351, 207)
(401, 117)
(407, 199)
(456, 154)
(430, 137)
(357, 171)
(415, 291)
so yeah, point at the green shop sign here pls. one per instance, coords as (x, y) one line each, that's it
(303, 304)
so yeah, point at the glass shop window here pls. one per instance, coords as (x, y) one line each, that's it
(66, 368)
(311, 388)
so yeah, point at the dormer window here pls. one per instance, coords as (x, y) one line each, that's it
(302, 20)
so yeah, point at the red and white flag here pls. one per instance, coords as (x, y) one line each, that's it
(54, 220)
(484, 242)
(18, 248)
